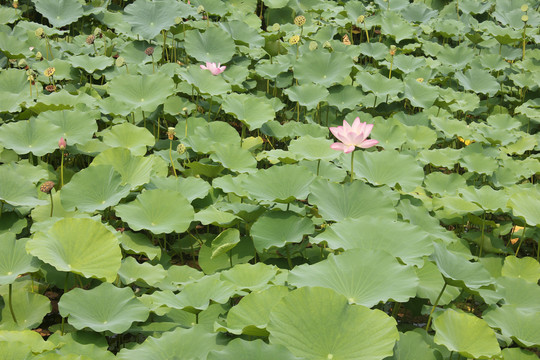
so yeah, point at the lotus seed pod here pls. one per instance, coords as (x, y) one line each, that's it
(294, 39)
(276, 27)
(345, 40)
(46, 187)
(200, 9)
(39, 32)
(170, 133)
(149, 51)
(420, 79)
(360, 19)
(300, 20)
(119, 61)
(180, 149)
(524, 7)
(313, 45)
(49, 71)
(90, 39)
(50, 88)
(524, 18)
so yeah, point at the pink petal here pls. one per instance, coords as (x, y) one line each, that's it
(342, 147)
(356, 123)
(368, 143)
(346, 126)
(367, 129)
(204, 67)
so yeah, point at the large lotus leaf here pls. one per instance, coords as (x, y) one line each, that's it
(16, 190)
(458, 271)
(216, 132)
(239, 349)
(251, 315)
(420, 94)
(9, 15)
(389, 168)
(351, 200)
(401, 239)
(59, 12)
(29, 308)
(160, 211)
(344, 97)
(31, 338)
(457, 57)
(282, 184)
(479, 163)
(444, 184)
(205, 82)
(251, 277)
(91, 63)
(37, 136)
(79, 245)
(277, 228)
(451, 127)
(191, 187)
(465, 333)
(525, 268)
(94, 188)
(234, 157)
(408, 63)
(526, 205)
(129, 136)
(131, 271)
(378, 84)
(412, 345)
(479, 81)
(308, 95)
(518, 354)
(14, 260)
(224, 242)
(135, 170)
(251, 110)
(485, 197)
(394, 25)
(86, 345)
(76, 127)
(180, 343)
(431, 283)
(311, 148)
(365, 277)
(149, 18)
(243, 33)
(519, 324)
(15, 349)
(145, 92)
(139, 243)
(214, 216)
(446, 157)
(377, 50)
(323, 67)
(519, 292)
(318, 323)
(104, 308)
(214, 45)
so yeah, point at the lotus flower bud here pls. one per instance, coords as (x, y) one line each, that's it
(524, 18)
(180, 149)
(200, 9)
(62, 144)
(46, 187)
(300, 20)
(361, 19)
(171, 133)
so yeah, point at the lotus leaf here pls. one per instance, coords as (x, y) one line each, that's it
(431, 282)
(278, 228)
(412, 345)
(76, 126)
(145, 92)
(239, 349)
(59, 12)
(524, 268)
(479, 81)
(36, 136)
(29, 309)
(224, 242)
(129, 136)
(527, 206)
(308, 95)
(519, 324)
(14, 260)
(191, 188)
(79, 245)
(16, 190)
(251, 110)
(322, 67)
(91, 64)
(138, 243)
(149, 18)
(214, 45)
(131, 271)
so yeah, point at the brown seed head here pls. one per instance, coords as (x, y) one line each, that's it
(346, 40)
(149, 51)
(46, 187)
(50, 88)
(90, 39)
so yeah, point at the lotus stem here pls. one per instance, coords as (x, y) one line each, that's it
(396, 308)
(170, 156)
(10, 290)
(289, 262)
(482, 236)
(521, 239)
(318, 166)
(62, 169)
(52, 205)
(434, 306)
(367, 33)
(352, 166)
(210, 107)
(65, 290)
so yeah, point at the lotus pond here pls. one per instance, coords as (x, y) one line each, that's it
(170, 187)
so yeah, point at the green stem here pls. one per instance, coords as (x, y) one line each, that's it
(352, 166)
(50, 194)
(482, 236)
(395, 310)
(170, 156)
(10, 290)
(434, 306)
(62, 169)
(65, 291)
(210, 108)
(521, 239)
(289, 261)
(318, 165)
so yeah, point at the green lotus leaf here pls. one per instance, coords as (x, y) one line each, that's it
(278, 228)
(322, 67)
(234, 157)
(311, 148)
(485, 197)
(9, 15)
(180, 343)
(14, 81)
(91, 63)
(344, 97)
(214, 45)
(207, 135)
(129, 136)
(525, 143)
(76, 127)
(160, 211)
(15, 349)
(139, 243)
(377, 50)
(431, 282)
(149, 18)
(525, 268)
(420, 94)
(394, 25)
(282, 184)
(408, 63)
(318, 323)
(466, 334)
(10, 222)
(378, 84)
(518, 354)
(479, 163)
(457, 57)
(526, 204)
(191, 187)
(444, 184)
(14, 260)
(225, 241)
(94, 188)
(205, 82)
(391, 134)
(59, 13)
(340, 201)
(79, 245)
(135, 170)
(519, 324)
(275, 4)
(446, 157)
(86, 345)
(251, 277)
(13, 47)
(145, 92)
(479, 81)
(253, 111)
(365, 277)
(16, 189)
(243, 33)
(29, 308)
(412, 345)
(403, 240)
(216, 217)
(239, 349)
(308, 95)
(36, 136)
(519, 292)
(458, 271)
(103, 308)
(31, 338)
(251, 315)
(389, 168)
(131, 271)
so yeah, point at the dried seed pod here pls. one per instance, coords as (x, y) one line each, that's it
(50, 88)
(90, 39)
(46, 187)
(346, 40)
(149, 51)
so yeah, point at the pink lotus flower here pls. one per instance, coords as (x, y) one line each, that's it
(213, 68)
(62, 143)
(352, 136)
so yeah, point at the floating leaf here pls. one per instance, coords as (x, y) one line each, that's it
(308, 95)
(278, 228)
(36, 136)
(129, 136)
(59, 12)
(519, 324)
(322, 67)
(17, 190)
(213, 45)
(145, 92)
(251, 110)
(29, 308)
(149, 18)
